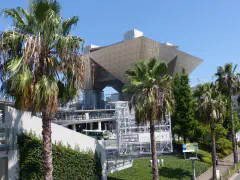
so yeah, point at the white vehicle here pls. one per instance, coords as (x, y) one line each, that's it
(97, 134)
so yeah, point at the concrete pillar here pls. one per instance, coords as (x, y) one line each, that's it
(99, 126)
(74, 127)
(91, 126)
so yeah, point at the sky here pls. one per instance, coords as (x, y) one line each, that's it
(207, 29)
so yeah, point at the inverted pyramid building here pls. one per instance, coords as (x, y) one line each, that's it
(107, 65)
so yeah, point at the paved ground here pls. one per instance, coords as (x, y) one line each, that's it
(224, 165)
(235, 177)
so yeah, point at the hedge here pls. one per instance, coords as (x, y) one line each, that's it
(68, 164)
(205, 156)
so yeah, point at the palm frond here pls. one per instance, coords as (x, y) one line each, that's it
(45, 95)
(150, 90)
(68, 24)
(38, 53)
(14, 14)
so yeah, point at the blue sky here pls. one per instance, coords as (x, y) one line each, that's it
(207, 29)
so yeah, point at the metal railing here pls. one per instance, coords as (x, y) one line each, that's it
(83, 117)
(113, 158)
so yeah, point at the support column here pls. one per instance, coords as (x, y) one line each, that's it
(99, 126)
(74, 127)
(91, 126)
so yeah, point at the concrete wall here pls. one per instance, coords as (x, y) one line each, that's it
(25, 122)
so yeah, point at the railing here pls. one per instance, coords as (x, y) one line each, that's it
(83, 118)
(114, 160)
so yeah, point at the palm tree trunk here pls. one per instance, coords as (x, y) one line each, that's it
(154, 153)
(213, 152)
(47, 147)
(235, 153)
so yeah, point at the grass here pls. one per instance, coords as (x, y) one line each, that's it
(175, 168)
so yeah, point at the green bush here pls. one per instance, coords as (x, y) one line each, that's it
(205, 156)
(224, 146)
(220, 155)
(204, 145)
(68, 164)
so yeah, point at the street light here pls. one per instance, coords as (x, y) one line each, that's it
(193, 159)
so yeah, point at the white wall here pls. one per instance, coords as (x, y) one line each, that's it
(24, 121)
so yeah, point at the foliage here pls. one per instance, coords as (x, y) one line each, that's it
(211, 104)
(150, 90)
(228, 80)
(67, 163)
(205, 156)
(174, 168)
(229, 84)
(184, 122)
(212, 109)
(224, 146)
(40, 61)
(227, 122)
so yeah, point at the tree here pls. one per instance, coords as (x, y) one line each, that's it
(184, 122)
(229, 84)
(41, 65)
(151, 96)
(212, 108)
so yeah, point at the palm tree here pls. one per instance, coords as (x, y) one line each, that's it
(229, 84)
(40, 64)
(151, 95)
(212, 110)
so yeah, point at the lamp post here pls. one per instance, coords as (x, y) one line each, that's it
(193, 159)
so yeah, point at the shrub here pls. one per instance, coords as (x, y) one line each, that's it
(68, 164)
(204, 145)
(205, 156)
(220, 155)
(224, 146)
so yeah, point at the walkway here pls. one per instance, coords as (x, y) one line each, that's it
(236, 176)
(224, 165)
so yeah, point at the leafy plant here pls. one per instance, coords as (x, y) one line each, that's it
(67, 163)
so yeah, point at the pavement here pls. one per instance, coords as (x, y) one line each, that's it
(224, 165)
(236, 176)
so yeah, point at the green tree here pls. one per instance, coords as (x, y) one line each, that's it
(151, 96)
(212, 108)
(184, 122)
(229, 84)
(41, 65)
